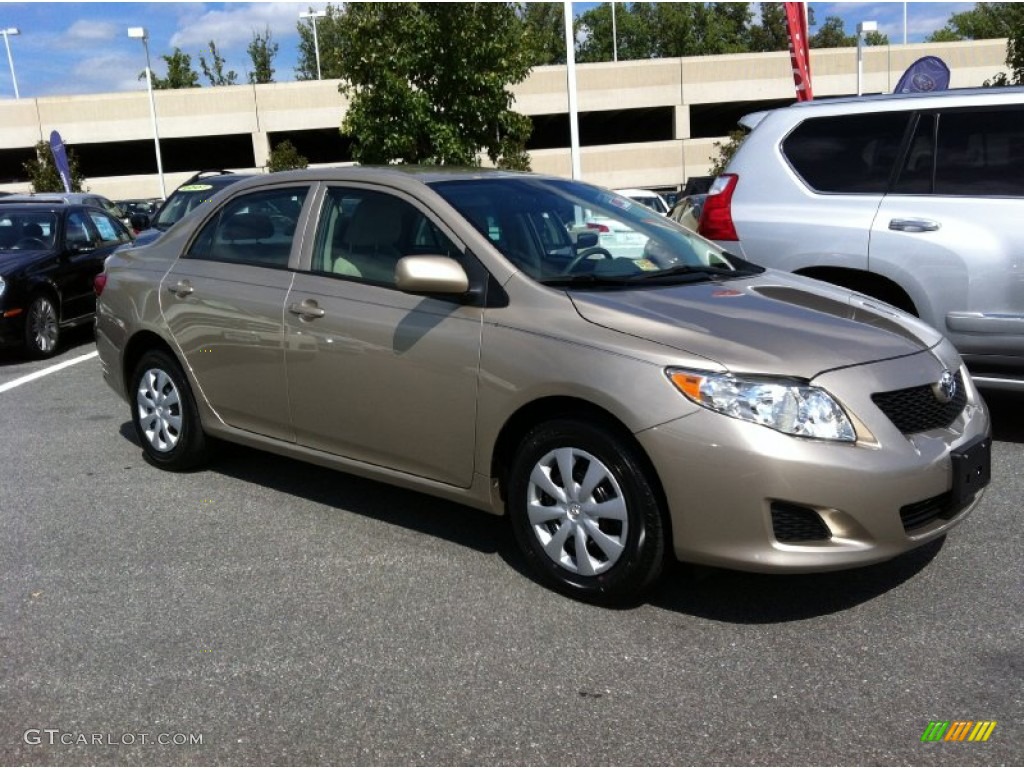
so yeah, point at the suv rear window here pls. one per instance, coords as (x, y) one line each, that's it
(849, 153)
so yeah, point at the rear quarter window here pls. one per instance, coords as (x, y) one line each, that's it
(848, 153)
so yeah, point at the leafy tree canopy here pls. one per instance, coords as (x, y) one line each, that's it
(214, 70)
(428, 82)
(285, 157)
(261, 53)
(984, 22)
(179, 72)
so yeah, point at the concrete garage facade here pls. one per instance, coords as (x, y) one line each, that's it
(649, 123)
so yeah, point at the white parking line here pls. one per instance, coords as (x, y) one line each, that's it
(46, 371)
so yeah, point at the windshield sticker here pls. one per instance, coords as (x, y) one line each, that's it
(646, 265)
(195, 187)
(621, 202)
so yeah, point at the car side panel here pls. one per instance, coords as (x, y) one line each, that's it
(230, 332)
(966, 276)
(384, 377)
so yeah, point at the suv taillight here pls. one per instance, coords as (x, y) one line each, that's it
(716, 218)
(99, 283)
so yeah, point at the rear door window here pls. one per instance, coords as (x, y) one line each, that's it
(980, 152)
(848, 153)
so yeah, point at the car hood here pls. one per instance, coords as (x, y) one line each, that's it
(774, 323)
(10, 260)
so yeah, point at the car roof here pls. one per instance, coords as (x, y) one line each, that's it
(882, 102)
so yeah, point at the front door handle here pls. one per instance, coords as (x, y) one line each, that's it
(181, 289)
(307, 310)
(913, 225)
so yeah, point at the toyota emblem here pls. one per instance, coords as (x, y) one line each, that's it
(945, 388)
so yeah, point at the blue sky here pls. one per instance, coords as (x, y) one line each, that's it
(70, 48)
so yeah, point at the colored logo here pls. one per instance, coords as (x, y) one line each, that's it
(958, 730)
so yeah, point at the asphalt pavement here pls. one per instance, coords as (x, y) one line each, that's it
(263, 611)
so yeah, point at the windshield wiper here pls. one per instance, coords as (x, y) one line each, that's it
(696, 272)
(588, 278)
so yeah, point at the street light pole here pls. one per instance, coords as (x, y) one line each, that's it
(313, 16)
(139, 33)
(10, 60)
(862, 29)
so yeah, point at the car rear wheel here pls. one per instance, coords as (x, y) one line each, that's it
(585, 512)
(164, 413)
(42, 328)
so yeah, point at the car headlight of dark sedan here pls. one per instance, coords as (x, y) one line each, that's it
(787, 406)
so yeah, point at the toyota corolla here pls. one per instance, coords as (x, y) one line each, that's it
(463, 334)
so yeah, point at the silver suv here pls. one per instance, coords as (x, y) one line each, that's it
(914, 199)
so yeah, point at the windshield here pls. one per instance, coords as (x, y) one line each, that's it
(565, 232)
(183, 200)
(652, 202)
(24, 231)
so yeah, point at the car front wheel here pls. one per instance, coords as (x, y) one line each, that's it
(42, 328)
(164, 413)
(586, 512)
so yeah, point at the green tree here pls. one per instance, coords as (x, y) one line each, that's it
(832, 34)
(771, 34)
(984, 22)
(633, 29)
(262, 51)
(285, 157)
(42, 171)
(428, 82)
(545, 30)
(328, 34)
(214, 70)
(179, 72)
(1014, 49)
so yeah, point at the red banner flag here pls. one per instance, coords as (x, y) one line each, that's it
(799, 50)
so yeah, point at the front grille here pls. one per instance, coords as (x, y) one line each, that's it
(920, 513)
(917, 409)
(794, 523)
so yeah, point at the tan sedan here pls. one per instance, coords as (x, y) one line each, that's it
(462, 334)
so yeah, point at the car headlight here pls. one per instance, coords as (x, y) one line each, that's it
(785, 405)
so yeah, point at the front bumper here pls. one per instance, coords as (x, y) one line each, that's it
(722, 478)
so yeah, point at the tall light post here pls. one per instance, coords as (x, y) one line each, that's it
(313, 16)
(139, 33)
(863, 28)
(7, 44)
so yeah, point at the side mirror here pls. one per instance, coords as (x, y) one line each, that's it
(431, 275)
(586, 239)
(140, 221)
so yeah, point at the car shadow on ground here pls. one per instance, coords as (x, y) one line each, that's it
(757, 598)
(1007, 415)
(446, 520)
(78, 340)
(717, 594)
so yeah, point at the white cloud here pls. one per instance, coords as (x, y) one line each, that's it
(235, 24)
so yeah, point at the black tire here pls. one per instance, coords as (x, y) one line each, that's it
(631, 556)
(164, 413)
(42, 327)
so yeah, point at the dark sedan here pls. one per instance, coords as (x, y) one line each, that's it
(49, 255)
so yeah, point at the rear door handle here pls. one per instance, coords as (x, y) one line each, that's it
(181, 288)
(913, 225)
(307, 310)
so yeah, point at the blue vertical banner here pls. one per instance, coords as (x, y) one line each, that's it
(60, 159)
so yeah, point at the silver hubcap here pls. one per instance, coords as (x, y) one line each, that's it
(159, 409)
(577, 511)
(42, 323)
